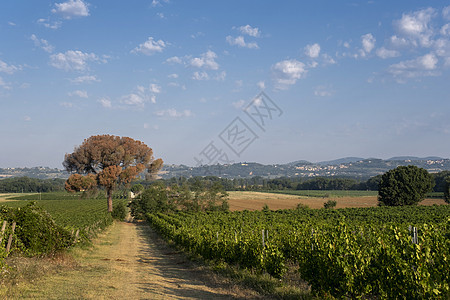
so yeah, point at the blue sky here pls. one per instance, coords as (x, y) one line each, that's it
(341, 78)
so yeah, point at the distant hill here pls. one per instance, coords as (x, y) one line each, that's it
(349, 167)
(415, 158)
(340, 161)
(299, 162)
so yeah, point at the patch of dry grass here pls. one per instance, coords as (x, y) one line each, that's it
(256, 200)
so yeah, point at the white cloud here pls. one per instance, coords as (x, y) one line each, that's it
(73, 60)
(422, 66)
(445, 30)
(11, 23)
(200, 76)
(154, 88)
(197, 35)
(240, 41)
(221, 76)
(442, 47)
(173, 113)
(249, 30)
(327, 59)
(174, 60)
(416, 26)
(141, 95)
(175, 84)
(313, 50)
(238, 104)
(48, 24)
(71, 9)
(174, 76)
(133, 100)
(446, 13)
(287, 72)
(41, 43)
(368, 42)
(160, 15)
(85, 79)
(8, 69)
(206, 60)
(79, 93)
(386, 53)
(156, 3)
(261, 85)
(105, 102)
(150, 47)
(399, 42)
(27, 118)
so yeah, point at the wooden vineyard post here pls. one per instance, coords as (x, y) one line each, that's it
(8, 247)
(262, 233)
(3, 231)
(413, 233)
(76, 236)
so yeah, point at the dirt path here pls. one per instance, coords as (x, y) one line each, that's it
(130, 261)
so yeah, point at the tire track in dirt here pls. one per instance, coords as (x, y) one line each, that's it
(130, 261)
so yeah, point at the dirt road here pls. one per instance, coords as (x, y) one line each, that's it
(130, 261)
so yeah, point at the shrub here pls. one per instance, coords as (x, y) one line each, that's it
(119, 211)
(36, 232)
(330, 204)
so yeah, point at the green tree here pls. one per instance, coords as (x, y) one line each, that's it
(137, 189)
(110, 160)
(447, 189)
(404, 186)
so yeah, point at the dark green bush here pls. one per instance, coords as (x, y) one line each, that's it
(36, 232)
(330, 204)
(119, 211)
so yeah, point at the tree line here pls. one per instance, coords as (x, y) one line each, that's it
(258, 183)
(30, 185)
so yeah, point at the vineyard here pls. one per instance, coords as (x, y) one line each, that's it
(68, 210)
(400, 252)
(50, 222)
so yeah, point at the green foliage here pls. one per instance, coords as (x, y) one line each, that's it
(36, 232)
(440, 180)
(343, 253)
(404, 186)
(119, 211)
(159, 198)
(330, 204)
(30, 185)
(447, 189)
(137, 188)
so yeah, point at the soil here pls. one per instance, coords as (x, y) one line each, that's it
(256, 201)
(130, 261)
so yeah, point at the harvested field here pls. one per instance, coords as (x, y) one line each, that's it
(256, 201)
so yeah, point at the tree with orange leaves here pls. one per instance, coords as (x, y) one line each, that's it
(108, 160)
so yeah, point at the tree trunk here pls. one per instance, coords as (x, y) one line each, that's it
(109, 196)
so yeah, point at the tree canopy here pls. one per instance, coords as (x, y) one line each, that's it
(404, 185)
(108, 160)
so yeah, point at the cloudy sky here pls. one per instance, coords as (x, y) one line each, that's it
(339, 78)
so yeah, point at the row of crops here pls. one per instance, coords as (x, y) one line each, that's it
(50, 222)
(387, 252)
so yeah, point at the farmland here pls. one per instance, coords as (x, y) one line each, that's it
(313, 199)
(353, 252)
(301, 247)
(68, 210)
